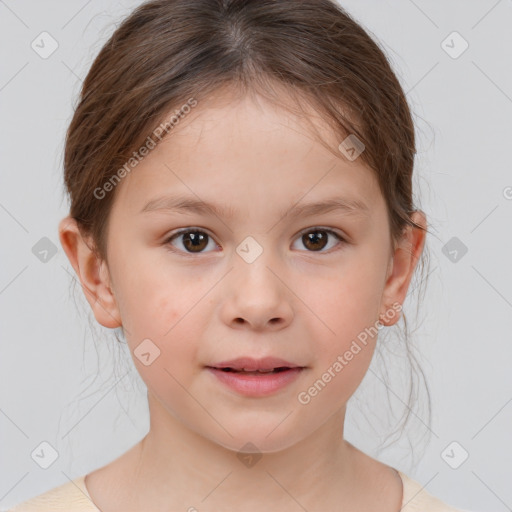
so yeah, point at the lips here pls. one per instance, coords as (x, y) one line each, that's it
(256, 378)
(251, 365)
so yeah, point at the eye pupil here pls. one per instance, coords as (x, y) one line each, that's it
(315, 238)
(194, 239)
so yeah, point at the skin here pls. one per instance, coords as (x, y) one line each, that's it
(200, 308)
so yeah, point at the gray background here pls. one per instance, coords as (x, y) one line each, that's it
(73, 388)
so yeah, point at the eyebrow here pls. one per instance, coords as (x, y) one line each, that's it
(189, 204)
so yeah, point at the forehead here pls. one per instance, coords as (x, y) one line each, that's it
(247, 153)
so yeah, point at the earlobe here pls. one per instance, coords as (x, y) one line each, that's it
(404, 261)
(92, 273)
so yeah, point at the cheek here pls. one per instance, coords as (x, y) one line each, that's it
(159, 307)
(164, 319)
(155, 297)
(344, 349)
(345, 302)
(346, 328)
(168, 317)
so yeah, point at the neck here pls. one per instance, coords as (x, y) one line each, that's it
(180, 466)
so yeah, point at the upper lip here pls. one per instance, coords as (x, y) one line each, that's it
(251, 364)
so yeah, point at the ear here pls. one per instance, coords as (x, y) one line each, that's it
(401, 268)
(92, 271)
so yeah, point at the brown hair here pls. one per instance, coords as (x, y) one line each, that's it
(167, 51)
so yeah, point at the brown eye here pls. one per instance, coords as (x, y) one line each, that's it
(315, 240)
(318, 238)
(193, 240)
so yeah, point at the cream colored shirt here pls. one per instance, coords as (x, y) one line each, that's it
(73, 497)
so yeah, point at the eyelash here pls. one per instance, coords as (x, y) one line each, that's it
(169, 239)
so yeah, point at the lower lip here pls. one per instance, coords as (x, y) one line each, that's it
(256, 385)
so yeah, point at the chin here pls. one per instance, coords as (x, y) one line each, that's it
(257, 441)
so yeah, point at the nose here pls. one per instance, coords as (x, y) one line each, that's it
(257, 296)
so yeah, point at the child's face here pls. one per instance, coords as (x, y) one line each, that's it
(215, 302)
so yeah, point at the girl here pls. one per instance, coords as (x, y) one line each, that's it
(240, 179)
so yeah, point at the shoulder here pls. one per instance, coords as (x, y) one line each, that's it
(70, 497)
(416, 498)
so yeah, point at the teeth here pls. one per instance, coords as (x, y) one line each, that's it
(250, 370)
